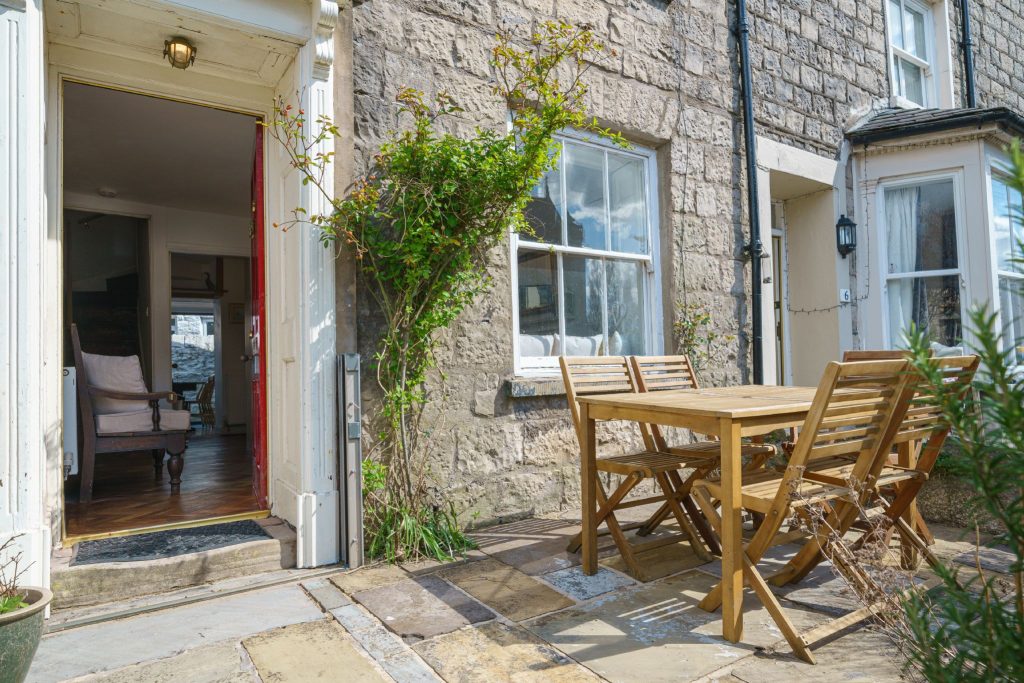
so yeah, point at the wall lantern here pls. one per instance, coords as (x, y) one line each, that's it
(180, 53)
(846, 236)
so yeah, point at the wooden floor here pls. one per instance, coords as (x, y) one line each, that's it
(217, 481)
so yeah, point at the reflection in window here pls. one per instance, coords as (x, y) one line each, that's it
(1009, 247)
(584, 274)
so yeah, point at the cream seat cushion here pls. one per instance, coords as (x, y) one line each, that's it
(141, 421)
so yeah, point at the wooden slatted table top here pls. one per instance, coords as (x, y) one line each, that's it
(751, 400)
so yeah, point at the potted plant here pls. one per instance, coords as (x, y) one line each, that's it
(21, 617)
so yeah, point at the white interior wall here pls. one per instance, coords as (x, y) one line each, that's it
(171, 230)
(233, 389)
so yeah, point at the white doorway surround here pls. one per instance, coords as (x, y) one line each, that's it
(249, 52)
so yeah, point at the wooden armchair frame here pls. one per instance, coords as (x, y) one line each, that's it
(158, 441)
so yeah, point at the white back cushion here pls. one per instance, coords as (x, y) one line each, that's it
(117, 373)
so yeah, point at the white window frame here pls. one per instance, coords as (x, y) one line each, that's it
(882, 255)
(548, 365)
(998, 169)
(927, 66)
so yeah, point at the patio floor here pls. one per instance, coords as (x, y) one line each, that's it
(520, 608)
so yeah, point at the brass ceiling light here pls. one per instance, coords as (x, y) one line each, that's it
(180, 53)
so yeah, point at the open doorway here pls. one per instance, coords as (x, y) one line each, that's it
(160, 211)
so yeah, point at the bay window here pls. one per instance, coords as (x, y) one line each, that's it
(1008, 237)
(923, 265)
(584, 279)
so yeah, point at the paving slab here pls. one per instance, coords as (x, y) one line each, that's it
(505, 589)
(220, 663)
(393, 655)
(993, 559)
(314, 651)
(533, 546)
(862, 656)
(422, 607)
(326, 594)
(365, 578)
(157, 635)
(430, 565)
(499, 652)
(656, 632)
(660, 562)
(577, 585)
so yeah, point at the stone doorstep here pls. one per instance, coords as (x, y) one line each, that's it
(95, 584)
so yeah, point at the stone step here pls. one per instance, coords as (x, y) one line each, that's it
(115, 582)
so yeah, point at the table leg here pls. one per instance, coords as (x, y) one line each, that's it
(732, 531)
(907, 457)
(588, 458)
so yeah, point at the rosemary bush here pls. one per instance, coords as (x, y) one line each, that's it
(421, 225)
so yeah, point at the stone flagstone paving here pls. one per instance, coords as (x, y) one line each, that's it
(508, 612)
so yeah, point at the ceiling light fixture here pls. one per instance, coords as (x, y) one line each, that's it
(180, 53)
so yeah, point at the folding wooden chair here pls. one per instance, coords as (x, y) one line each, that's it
(675, 373)
(611, 374)
(855, 412)
(896, 486)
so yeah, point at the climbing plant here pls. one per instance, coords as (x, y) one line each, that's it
(421, 224)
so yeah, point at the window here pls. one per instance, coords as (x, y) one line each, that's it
(923, 273)
(1009, 234)
(911, 52)
(584, 278)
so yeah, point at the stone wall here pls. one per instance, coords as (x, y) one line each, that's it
(668, 88)
(673, 87)
(998, 54)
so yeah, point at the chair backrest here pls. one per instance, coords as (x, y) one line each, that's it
(856, 412)
(663, 373)
(585, 375)
(88, 422)
(854, 355)
(924, 420)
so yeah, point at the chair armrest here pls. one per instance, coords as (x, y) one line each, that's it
(130, 396)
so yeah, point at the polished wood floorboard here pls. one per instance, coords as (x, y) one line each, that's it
(217, 481)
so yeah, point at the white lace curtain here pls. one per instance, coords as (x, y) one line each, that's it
(901, 215)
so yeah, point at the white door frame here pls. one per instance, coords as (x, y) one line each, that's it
(308, 427)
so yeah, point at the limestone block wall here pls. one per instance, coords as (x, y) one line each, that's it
(672, 86)
(668, 88)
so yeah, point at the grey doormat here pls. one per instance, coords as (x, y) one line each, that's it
(172, 543)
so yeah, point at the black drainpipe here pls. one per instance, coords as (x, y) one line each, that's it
(754, 248)
(965, 39)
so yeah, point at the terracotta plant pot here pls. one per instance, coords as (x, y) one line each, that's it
(20, 632)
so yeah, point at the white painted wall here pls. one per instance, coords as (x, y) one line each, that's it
(30, 376)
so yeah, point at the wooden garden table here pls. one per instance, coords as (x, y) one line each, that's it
(729, 413)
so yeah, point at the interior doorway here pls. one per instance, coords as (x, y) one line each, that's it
(780, 294)
(160, 222)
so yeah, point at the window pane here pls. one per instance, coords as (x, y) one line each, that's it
(896, 23)
(913, 33)
(584, 307)
(921, 225)
(544, 212)
(931, 303)
(1006, 219)
(913, 82)
(625, 307)
(1011, 311)
(584, 188)
(628, 204)
(538, 303)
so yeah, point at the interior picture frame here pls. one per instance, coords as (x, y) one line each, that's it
(236, 314)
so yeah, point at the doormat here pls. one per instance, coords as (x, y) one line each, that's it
(171, 543)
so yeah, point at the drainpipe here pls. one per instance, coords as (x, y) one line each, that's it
(754, 247)
(965, 39)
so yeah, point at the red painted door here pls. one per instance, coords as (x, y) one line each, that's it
(257, 327)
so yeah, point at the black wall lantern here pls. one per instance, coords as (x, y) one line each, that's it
(846, 235)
